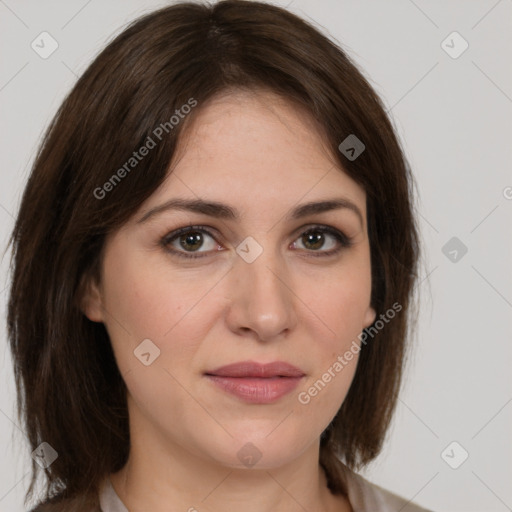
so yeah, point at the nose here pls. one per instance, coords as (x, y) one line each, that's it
(262, 302)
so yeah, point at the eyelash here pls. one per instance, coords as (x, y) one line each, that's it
(340, 237)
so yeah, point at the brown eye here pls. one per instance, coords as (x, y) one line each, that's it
(191, 241)
(188, 241)
(313, 240)
(323, 240)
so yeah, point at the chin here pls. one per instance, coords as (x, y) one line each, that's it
(265, 448)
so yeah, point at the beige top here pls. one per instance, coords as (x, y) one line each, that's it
(362, 495)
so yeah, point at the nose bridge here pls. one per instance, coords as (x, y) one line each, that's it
(262, 299)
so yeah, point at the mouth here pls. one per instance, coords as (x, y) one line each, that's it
(257, 383)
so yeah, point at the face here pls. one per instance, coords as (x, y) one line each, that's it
(253, 282)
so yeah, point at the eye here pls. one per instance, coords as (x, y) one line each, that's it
(323, 237)
(187, 241)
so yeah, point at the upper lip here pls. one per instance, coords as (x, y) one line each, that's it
(252, 369)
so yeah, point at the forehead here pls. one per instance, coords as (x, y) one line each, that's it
(255, 148)
(238, 125)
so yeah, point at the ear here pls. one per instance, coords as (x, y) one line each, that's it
(369, 317)
(90, 298)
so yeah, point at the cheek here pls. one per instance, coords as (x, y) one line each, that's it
(142, 301)
(336, 313)
(324, 391)
(340, 301)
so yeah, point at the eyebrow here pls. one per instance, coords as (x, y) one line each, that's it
(223, 211)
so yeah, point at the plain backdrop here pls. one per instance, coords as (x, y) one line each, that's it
(452, 110)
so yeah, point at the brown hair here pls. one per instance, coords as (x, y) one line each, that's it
(70, 392)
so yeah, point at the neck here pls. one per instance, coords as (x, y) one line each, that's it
(160, 475)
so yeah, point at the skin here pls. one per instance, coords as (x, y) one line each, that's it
(261, 155)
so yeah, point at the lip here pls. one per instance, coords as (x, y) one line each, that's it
(257, 383)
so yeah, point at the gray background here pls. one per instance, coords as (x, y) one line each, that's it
(454, 118)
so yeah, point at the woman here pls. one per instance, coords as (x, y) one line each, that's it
(213, 266)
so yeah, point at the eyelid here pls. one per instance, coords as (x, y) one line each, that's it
(343, 240)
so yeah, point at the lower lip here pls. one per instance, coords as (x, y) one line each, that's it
(257, 390)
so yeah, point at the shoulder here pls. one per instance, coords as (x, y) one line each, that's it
(61, 504)
(365, 496)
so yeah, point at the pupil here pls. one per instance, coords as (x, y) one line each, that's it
(191, 240)
(315, 240)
